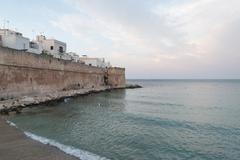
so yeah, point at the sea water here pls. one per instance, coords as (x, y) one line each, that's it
(167, 119)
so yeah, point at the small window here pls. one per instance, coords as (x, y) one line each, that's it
(61, 49)
(51, 47)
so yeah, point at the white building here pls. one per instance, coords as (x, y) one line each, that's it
(52, 46)
(74, 57)
(35, 47)
(57, 49)
(70, 56)
(97, 62)
(14, 40)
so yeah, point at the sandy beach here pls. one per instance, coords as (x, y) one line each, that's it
(14, 145)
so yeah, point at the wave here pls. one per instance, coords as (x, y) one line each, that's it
(12, 124)
(81, 154)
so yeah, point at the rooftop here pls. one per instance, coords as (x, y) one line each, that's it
(8, 30)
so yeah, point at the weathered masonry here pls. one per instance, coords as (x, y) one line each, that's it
(23, 73)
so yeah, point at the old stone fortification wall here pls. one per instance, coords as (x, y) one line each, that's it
(23, 73)
(116, 77)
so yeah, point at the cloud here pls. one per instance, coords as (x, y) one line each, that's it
(159, 35)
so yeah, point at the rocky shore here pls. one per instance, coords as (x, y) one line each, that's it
(17, 104)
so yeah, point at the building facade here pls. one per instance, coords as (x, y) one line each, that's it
(74, 57)
(52, 46)
(35, 47)
(96, 62)
(14, 40)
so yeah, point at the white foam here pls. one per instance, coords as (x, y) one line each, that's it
(81, 154)
(12, 124)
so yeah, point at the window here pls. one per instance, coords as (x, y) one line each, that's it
(61, 49)
(51, 47)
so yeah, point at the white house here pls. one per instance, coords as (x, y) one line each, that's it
(52, 46)
(57, 49)
(74, 57)
(70, 56)
(35, 47)
(97, 62)
(14, 40)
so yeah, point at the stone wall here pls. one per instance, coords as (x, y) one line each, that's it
(116, 77)
(23, 73)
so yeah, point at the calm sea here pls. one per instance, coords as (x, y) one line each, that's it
(167, 119)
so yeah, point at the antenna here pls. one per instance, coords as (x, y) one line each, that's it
(33, 34)
(4, 23)
(8, 22)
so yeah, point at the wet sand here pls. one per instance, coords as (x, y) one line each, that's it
(14, 145)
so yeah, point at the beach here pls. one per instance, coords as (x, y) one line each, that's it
(14, 145)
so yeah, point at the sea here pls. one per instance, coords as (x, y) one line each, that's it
(166, 119)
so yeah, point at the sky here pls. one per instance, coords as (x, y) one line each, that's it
(152, 39)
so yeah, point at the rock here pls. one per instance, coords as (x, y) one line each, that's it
(4, 111)
(28, 99)
(133, 86)
(13, 103)
(18, 110)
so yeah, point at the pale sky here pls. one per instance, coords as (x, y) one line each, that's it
(150, 38)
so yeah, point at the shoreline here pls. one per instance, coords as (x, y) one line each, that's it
(14, 145)
(19, 103)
